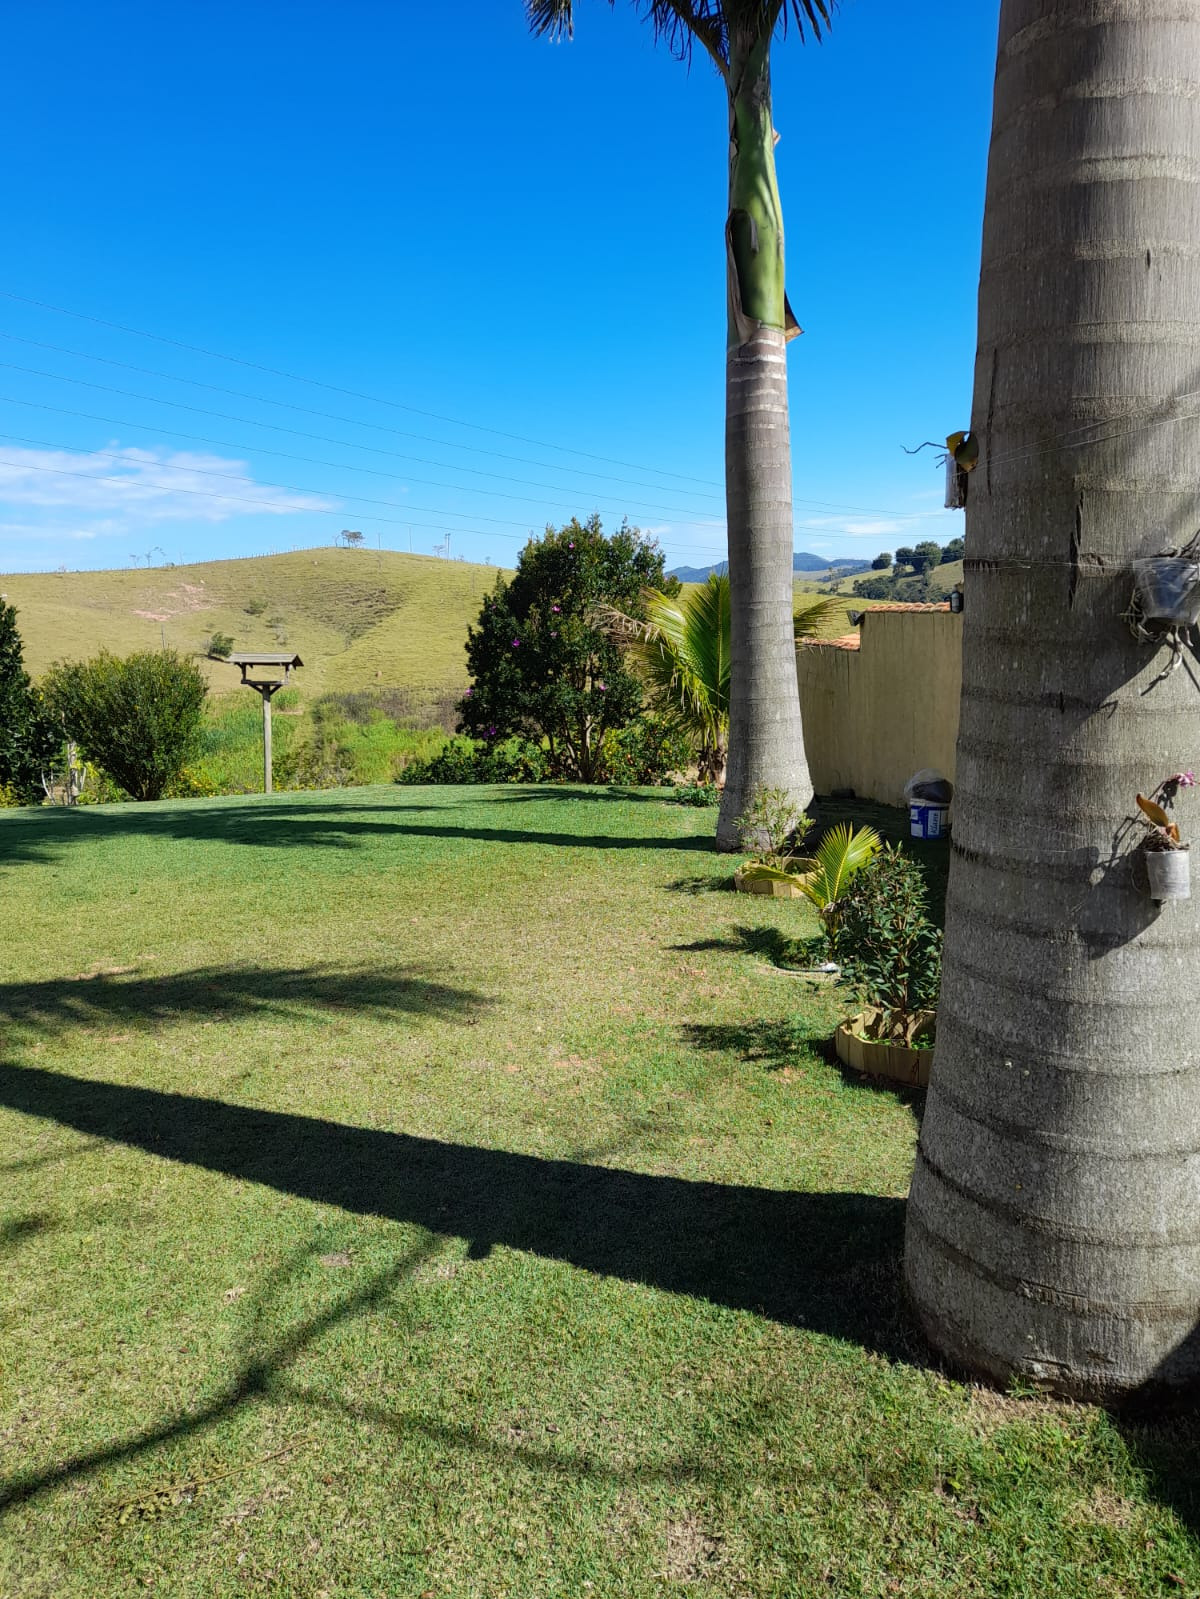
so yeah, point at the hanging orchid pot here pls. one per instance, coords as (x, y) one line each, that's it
(1168, 863)
(1170, 874)
(1167, 591)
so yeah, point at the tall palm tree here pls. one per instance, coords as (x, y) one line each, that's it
(766, 745)
(1054, 1219)
(682, 652)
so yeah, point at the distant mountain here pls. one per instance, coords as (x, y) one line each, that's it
(802, 561)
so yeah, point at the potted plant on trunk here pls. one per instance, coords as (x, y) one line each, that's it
(892, 953)
(1168, 863)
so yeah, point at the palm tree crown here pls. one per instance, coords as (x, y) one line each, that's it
(682, 22)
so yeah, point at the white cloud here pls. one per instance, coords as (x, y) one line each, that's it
(119, 490)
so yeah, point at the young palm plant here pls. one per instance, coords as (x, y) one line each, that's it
(682, 653)
(843, 851)
(766, 746)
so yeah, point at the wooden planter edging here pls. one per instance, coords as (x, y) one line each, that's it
(881, 1059)
(766, 885)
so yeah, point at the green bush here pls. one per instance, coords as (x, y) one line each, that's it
(466, 760)
(138, 718)
(772, 827)
(29, 736)
(543, 663)
(698, 794)
(649, 750)
(219, 646)
(886, 944)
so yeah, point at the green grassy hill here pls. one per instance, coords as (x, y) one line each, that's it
(358, 618)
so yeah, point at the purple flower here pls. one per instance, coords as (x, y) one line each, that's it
(516, 644)
(1183, 780)
(601, 687)
(571, 546)
(556, 609)
(470, 691)
(554, 634)
(491, 732)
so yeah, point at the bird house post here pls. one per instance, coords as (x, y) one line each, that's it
(266, 674)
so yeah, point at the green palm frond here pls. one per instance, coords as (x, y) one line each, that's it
(681, 653)
(822, 878)
(821, 619)
(843, 851)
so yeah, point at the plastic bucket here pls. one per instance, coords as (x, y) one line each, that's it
(928, 821)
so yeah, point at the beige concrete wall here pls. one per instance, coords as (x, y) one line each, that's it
(875, 715)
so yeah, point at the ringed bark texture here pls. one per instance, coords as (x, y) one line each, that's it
(1054, 1217)
(766, 743)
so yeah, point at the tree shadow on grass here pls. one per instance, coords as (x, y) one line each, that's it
(826, 1261)
(829, 1261)
(776, 1045)
(17, 1228)
(525, 793)
(789, 953)
(285, 826)
(228, 992)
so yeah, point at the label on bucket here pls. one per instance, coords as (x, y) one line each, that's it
(927, 821)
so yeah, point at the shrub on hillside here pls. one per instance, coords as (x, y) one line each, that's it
(219, 646)
(137, 718)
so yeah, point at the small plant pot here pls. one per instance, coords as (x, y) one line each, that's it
(1170, 873)
(878, 1058)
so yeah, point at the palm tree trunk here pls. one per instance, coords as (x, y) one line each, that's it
(1054, 1218)
(766, 746)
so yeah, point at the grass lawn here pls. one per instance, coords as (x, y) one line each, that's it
(443, 1192)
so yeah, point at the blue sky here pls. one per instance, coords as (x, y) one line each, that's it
(472, 282)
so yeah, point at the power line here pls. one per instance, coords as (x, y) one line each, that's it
(271, 505)
(665, 510)
(352, 444)
(333, 388)
(307, 460)
(236, 499)
(332, 416)
(830, 505)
